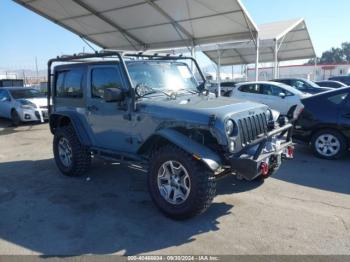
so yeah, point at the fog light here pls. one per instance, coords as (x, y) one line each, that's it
(232, 146)
(26, 116)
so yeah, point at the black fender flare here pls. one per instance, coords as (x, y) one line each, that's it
(60, 119)
(200, 152)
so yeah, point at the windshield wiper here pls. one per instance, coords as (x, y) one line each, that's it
(168, 92)
(155, 91)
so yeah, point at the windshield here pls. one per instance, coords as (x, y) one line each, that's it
(26, 93)
(162, 75)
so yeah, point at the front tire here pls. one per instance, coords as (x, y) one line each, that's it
(71, 157)
(180, 186)
(15, 118)
(329, 144)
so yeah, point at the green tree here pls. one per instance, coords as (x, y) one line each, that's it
(334, 55)
(346, 51)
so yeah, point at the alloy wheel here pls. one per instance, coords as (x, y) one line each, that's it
(174, 183)
(65, 152)
(327, 145)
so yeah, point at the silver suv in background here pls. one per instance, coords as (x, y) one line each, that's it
(22, 104)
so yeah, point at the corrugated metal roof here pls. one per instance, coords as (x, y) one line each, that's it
(149, 24)
(292, 36)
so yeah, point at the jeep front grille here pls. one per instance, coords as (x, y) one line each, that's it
(251, 128)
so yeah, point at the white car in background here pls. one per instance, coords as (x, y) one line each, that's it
(280, 97)
(22, 104)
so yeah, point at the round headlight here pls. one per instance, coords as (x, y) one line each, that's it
(269, 115)
(229, 128)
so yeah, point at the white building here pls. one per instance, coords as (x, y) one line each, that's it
(320, 72)
(8, 75)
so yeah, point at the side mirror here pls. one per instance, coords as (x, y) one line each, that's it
(282, 95)
(5, 99)
(113, 95)
(204, 86)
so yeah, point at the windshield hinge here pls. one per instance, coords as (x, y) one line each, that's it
(212, 120)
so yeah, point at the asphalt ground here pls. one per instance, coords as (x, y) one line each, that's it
(304, 209)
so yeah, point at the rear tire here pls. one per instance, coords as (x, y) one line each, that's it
(71, 157)
(172, 173)
(16, 120)
(329, 144)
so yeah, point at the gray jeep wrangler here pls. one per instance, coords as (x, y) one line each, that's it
(149, 110)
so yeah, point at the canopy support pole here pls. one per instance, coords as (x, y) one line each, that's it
(246, 72)
(275, 70)
(257, 58)
(218, 77)
(315, 69)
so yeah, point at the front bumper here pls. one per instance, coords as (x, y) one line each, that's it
(34, 115)
(266, 152)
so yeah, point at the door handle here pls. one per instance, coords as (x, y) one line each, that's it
(92, 108)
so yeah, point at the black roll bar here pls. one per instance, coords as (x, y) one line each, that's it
(110, 53)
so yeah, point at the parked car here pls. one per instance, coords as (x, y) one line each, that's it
(331, 84)
(22, 104)
(325, 123)
(343, 79)
(278, 96)
(152, 112)
(303, 85)
(226, 88)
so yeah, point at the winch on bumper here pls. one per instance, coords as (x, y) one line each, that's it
(264, 156)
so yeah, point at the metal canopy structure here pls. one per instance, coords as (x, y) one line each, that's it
(149, 24)
(279, 41)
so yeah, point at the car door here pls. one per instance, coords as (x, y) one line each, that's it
(268, 98)
(278, 98)
(5, 104)
(109, 121)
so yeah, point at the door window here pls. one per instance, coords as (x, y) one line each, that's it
(105, 77)
(69, 84)
(269, 90)
(4, 96)
(272, 90)
(300, 85)
(330, 84)
(338, 99)
(253, 89)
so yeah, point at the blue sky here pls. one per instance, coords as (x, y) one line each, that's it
(25, 35)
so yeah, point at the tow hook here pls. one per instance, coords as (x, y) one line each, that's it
(264, 169)
(288, 153)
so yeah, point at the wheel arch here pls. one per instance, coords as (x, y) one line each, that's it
(58, 120)
(334, 129)
(170, 136)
